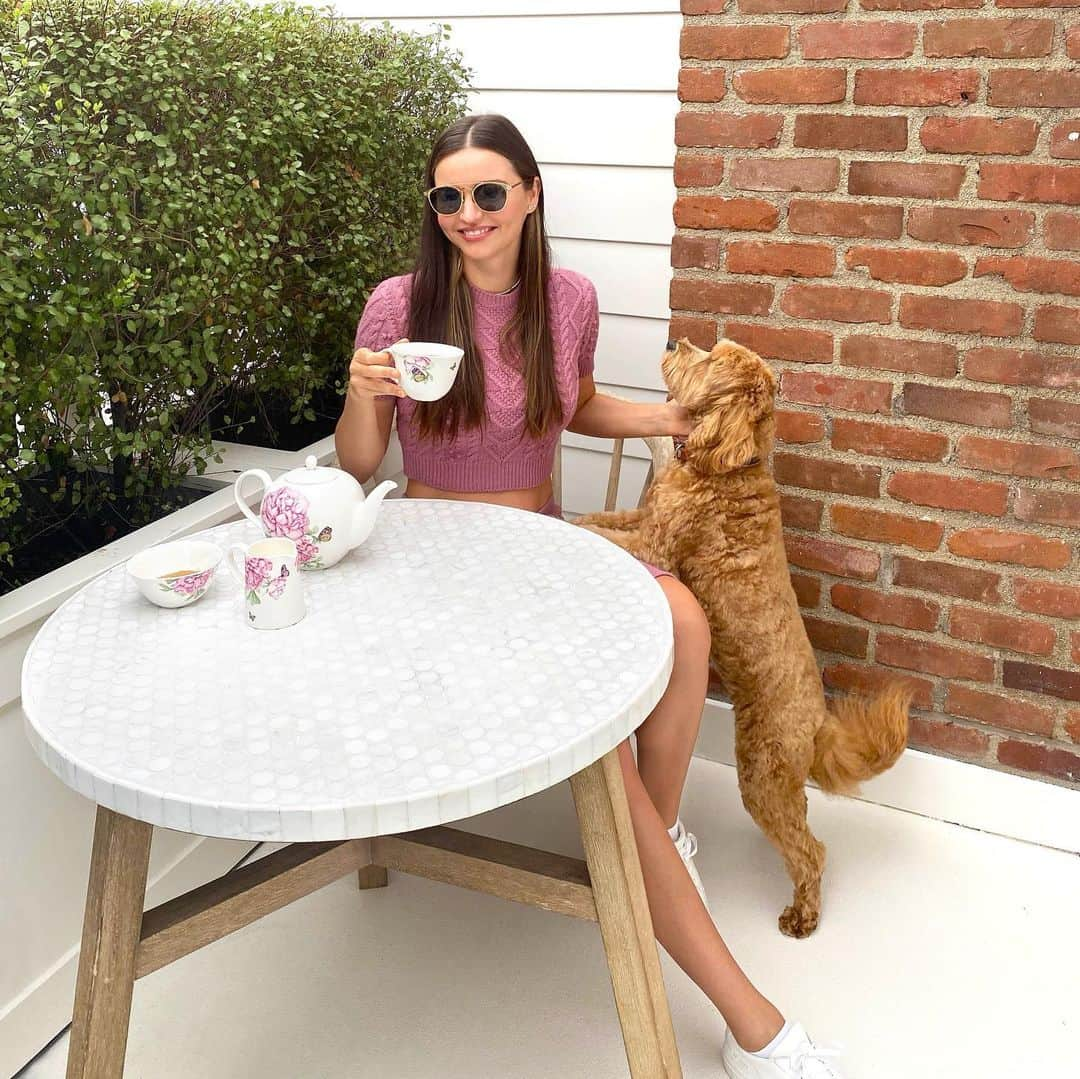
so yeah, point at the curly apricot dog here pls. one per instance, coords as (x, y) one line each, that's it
(713, 518)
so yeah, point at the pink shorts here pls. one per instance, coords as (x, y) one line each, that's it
(553, 509)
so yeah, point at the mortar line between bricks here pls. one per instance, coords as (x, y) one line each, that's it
(1038, 231)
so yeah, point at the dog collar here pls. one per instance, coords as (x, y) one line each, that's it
(680, 446)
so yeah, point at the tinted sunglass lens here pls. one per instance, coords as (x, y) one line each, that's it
(446, 200)
(490, 197)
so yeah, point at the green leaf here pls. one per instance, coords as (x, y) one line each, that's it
(140, 264)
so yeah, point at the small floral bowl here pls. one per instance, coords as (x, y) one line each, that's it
(177, 573)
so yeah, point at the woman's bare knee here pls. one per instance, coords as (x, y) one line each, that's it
(693, 638)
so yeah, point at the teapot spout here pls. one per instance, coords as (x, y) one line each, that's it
(364, 515)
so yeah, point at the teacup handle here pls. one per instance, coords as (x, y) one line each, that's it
(237, 569)
(264, 478)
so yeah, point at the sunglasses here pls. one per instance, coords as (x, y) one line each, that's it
(489, 196)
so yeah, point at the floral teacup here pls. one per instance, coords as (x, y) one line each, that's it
(428, 369)
(177, 573)
(273, 592)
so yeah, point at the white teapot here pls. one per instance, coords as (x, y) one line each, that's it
(323, 509)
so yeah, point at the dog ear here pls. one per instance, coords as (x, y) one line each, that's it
(762, 391)
(723, 439)
(727, 397)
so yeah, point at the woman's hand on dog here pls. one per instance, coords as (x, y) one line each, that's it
(677, 419)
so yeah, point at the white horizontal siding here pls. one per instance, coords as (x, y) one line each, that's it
(585, 475)
(616, 202)
(591, 86)
(445, 9)
(630, 279)
(587, 52)
(628, 351)
(582, 128)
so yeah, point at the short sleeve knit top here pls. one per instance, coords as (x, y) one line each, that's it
(500, 455)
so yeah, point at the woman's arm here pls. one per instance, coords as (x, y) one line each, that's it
(608, 417)
(363, 433)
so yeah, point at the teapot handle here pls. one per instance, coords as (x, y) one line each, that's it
(264, 478)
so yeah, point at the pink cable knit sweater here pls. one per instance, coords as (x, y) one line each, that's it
(499, 456)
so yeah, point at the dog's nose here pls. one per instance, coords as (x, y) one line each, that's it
(671, 346)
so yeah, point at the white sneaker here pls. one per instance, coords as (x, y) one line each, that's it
(686, 845)
(796, 1057)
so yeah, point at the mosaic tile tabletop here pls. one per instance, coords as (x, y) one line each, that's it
(464, 656)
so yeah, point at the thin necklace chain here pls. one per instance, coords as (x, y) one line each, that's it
(507, 291)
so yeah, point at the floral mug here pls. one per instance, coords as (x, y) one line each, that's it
(273, 592)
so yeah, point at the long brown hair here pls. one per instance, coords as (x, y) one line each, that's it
(440, 305)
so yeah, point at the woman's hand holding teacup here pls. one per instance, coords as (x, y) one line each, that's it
(373, 374)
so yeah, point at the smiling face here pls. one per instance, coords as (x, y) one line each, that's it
(485, 236)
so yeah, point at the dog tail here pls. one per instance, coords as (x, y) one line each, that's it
(860, 738)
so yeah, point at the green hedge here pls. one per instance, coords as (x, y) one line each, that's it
(196, 200)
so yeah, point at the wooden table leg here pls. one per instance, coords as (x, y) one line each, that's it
(372, 876)
(110, 937)
(625, 924)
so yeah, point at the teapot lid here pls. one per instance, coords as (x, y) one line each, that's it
(312, 473)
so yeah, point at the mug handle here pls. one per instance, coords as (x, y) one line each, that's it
(263, 478)
(234, 567)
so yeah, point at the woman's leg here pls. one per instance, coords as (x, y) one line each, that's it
(665, 741)
(654, 786)
(683, 925)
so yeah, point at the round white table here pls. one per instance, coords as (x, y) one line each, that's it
(465, 656)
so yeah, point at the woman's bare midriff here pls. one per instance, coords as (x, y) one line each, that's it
(527, 498)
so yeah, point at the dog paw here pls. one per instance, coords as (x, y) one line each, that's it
(798, 923)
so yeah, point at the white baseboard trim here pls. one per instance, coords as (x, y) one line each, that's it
(944, 789)
(29, 1023)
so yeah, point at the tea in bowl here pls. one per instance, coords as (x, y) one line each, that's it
(177, 573)
(427, 369)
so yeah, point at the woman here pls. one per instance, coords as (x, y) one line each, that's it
(483, 281)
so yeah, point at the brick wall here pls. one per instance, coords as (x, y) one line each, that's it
(879, 196)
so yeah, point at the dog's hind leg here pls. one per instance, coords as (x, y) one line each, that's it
(774, 794)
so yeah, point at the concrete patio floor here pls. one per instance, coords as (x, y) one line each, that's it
(943, 953)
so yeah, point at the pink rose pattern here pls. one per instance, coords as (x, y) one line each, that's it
(284, 512)
(258, 581)
(193, 585)
(256, 570)
(306, 551)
